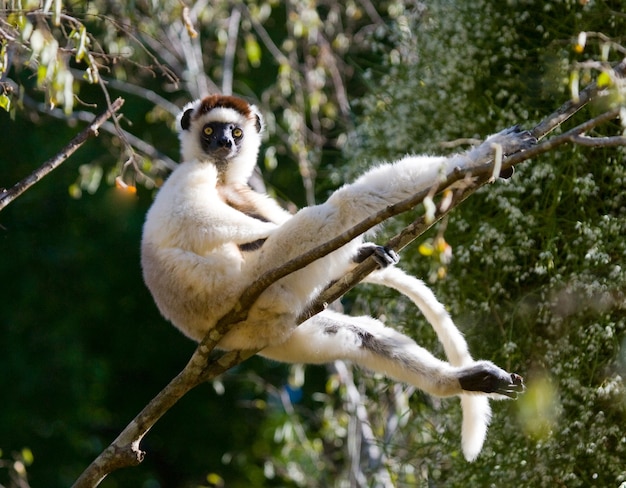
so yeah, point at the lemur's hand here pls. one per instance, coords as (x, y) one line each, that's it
(384, 256)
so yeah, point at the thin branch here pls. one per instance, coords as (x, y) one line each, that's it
(198, 82)
(569, 108)
(599, 141)
(231, 49)
(375, 455)
(266, 39)
(373, 14)
(132, 89)
(124, 451)
(7, 196)
(85, 116)
(563, 138)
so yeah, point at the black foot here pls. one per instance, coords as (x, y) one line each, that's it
(383, 255)
(486, 377)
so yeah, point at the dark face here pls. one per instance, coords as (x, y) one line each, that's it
(221, 140)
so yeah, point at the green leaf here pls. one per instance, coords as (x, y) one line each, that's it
(604, 80)
(253, 51)
(5, 102)
(81, 50)
(27, 456)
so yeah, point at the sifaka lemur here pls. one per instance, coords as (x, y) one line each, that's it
(208, 236)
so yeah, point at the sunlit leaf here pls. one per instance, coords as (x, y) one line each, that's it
(581, 42)
(81, 50)
(538, 408)
(429, 209)
(574, 85)
(215, 480)
(75, 191)
(253, 51)
(604, 80)
(42, 74)
(5, 102)
(27, 456)
(90, 177)
(426, 248)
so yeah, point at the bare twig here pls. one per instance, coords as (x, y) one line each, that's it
(7, 196)
(599, 141)
(231, 49)
(198, 82)
(86, 116)
(132, 89)
(569, 108)
(365, 434)
(275, 51)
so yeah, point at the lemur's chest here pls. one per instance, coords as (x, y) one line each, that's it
(246, 201)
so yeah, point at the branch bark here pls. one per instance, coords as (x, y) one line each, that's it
(7, 196)
(124, 451)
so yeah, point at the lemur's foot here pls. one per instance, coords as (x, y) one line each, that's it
(513, 139)
(384, 256)
(486, 377)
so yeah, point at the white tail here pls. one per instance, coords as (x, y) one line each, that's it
(476, 409)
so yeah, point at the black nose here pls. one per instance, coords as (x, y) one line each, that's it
(224, 142)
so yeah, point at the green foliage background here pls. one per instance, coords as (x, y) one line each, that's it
(537, 282)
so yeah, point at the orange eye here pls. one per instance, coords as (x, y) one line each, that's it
(208, 130)
(237, 132)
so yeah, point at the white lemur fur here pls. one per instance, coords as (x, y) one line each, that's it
(208, 235)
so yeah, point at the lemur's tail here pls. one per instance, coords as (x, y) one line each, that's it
(476, 409)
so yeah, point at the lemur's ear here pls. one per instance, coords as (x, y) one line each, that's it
(260, 123)
(185, 120)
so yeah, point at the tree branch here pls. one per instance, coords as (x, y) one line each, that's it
(7, 196)
(569, 108)
(124, 451)
(599, 141)
(85, 116)
(231, 48)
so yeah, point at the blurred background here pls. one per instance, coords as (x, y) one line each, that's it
(537, 279)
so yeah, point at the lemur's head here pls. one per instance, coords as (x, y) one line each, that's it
(224, 131)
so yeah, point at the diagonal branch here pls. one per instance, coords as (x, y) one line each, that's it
(7, 196)
(124, 451)
(85, 116)
(569, 108)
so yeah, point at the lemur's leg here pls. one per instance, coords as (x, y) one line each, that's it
(375, 190)
(365, 341)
